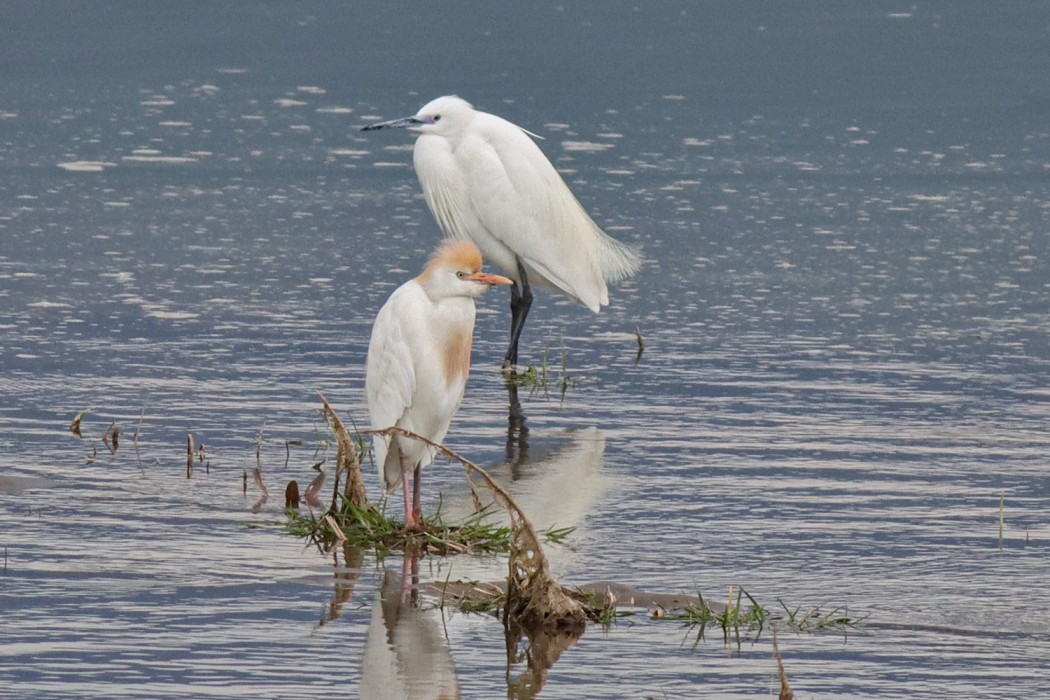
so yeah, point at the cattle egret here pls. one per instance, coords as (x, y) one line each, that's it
(487, 181)
(418, 360)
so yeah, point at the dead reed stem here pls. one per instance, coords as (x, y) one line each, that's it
(189, 456)
(346, 458)
(785, 688)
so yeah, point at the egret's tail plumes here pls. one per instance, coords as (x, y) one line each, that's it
(617, 260)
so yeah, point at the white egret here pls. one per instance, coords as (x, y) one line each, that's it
(485, 180)
(418, 361)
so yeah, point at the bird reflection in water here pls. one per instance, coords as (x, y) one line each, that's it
(517, 429)
(555, 480)
(405, 654)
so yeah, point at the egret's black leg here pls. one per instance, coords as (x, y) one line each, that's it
(520, 303)
(511, 358)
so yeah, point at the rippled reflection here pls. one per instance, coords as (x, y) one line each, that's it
(556, 482)
(406, 655)
(345, 579)
(534, 652)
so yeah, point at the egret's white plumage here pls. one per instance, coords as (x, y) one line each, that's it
(486, 180)
(419, 358)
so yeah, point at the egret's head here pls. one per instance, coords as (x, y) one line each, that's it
(455, 270)
(444, 116)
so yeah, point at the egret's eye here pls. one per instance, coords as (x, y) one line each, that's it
(461, 274)
(437, 117)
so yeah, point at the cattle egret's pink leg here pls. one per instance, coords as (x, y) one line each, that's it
(410, 521)
(417, 511)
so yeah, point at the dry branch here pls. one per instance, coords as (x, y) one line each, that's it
(257, 475)
(314, 488)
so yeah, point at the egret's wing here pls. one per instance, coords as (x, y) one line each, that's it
(521, 198)
(390, 375)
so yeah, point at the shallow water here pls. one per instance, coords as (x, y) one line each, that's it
(844, 313)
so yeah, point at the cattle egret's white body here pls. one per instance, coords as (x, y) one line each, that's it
(486, 180)
(418, 361)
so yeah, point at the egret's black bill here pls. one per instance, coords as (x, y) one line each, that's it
(393, 124)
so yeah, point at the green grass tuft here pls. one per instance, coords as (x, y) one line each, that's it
(369, 527)
(736, 617)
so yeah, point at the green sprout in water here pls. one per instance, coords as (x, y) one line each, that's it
(603, 608)
(817, 619)
(542, 378)
(735, 616)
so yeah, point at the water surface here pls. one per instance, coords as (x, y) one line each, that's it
(844, 312)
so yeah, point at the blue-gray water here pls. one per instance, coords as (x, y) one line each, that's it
(845, 212)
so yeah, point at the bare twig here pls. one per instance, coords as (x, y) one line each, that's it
(312, 491)
(135, 438)
(339, 536)
(291, 494)
(111, 438)
(189, 456)
(785, 688)
(257, 474)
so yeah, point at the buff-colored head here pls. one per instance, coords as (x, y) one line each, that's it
(455, 270)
